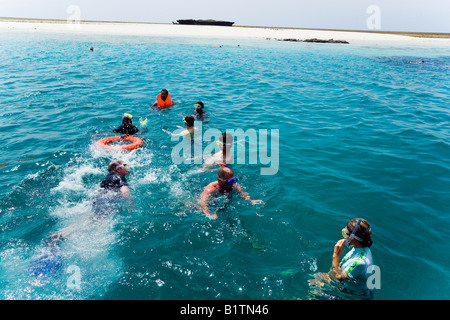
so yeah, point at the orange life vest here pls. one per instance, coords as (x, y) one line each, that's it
(161, 103)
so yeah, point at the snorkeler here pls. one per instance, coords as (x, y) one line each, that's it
(225, 184)
(115, 179)
(199, 112)
(113, 185)
(354, 266)
(223, 156)
(355, 263)
(190, 130)
(127, 126)
(105, 203)
(163, 100)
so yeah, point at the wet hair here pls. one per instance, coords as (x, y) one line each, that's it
(113, 166)
(201, 104)
(224, 172)
(189, 120)
(363, 231)
(127, 122)
(164, 90)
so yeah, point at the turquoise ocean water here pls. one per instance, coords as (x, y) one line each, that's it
(363, 131)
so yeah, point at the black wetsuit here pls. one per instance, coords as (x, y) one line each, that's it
(200, 116)
(126, 130)
(106, 202)
(114, 181)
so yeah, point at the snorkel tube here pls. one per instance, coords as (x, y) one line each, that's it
(353, 234)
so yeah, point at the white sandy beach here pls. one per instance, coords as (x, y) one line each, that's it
(235, 32)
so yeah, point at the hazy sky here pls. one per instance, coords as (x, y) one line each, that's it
(391, 15)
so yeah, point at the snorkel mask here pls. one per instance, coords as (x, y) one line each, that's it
(186, 123)
(220, 144)
(198, 108)
(128, 115)
(231, 181)
(352, 236)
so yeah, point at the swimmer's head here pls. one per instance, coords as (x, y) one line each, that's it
(225, 140)
(189, 121)
(127, 119)
(226, 176)
(118, 166)
(164, 93)
(199, 106)
(362, 234)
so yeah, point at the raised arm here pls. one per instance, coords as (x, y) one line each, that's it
(338, 249)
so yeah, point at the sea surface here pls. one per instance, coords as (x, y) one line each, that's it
(363, 132)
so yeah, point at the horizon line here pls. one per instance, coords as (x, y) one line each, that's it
(405, 33)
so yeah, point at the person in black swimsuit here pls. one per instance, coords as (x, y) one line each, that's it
(106, 202)
(199, 112)
(127, 126)
(115, 180)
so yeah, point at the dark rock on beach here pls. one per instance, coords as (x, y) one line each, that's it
(315, 40)
(326, 41)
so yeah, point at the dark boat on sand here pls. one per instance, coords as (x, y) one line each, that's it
(208, 22)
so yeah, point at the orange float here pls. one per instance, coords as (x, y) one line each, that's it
(135, 143)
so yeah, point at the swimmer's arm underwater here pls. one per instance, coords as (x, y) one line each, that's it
(244, 195)
(125, 191)
(204, 197)
(210, 161)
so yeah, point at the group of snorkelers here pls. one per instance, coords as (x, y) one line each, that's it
(226, 181)
(357, 234)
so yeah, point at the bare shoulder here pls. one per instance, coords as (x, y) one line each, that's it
(212, 186)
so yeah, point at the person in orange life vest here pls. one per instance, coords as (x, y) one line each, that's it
(163, 100)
